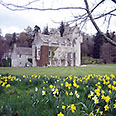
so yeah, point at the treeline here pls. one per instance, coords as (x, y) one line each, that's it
(98, 48)
(94, 49)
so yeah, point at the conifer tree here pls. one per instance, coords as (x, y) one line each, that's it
(61, 29)
(45, 31)
(98, 41)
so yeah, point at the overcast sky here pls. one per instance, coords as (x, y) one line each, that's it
(17, 21)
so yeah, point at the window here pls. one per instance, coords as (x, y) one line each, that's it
(49, 62)
(49, 53)
(38, 54)
(73, 43)
(19, 55)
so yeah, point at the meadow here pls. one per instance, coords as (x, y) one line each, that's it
(58, 91)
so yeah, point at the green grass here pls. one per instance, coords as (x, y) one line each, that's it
(23, 99)
(20, 97)
(62, 71)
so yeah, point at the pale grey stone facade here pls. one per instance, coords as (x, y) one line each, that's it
(62, 51)
(50, 50)
(20, 55)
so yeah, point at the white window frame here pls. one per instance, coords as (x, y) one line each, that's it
(38, 54)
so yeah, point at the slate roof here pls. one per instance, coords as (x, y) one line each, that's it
(55, 38)
(23, 50)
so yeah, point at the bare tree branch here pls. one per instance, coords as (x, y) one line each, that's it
(81, 18)
(97, 5)
(108, 13)
(85, 14)
(114, 1)
(25, 7)
(96, 26)
(109, 22)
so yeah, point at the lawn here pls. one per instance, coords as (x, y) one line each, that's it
(62, 71)
(82, 91)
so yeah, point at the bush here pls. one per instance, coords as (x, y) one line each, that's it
(90, 60)
(6, 62)
(114, 60)
(30, 60)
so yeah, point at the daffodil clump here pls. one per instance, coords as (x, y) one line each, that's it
(91, 95)
(6, 80)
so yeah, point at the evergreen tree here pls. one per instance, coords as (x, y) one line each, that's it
(0, 32)
(61, 29)
(45, 31)
(98, 41)
(36, 28)
(14, 38)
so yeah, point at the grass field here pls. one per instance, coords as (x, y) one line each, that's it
(62, 71)
(72, 91)
(92, 95)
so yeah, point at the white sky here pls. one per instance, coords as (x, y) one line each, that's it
(17, 21)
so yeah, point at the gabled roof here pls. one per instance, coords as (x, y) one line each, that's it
(55, 38)
(23, 50)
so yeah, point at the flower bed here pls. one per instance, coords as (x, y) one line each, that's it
(89, 95)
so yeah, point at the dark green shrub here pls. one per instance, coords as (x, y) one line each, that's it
(90, 60)
(6, 62)
(114, 60)
(30, 60)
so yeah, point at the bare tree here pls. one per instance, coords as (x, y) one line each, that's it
(94, 23)
(88, 13)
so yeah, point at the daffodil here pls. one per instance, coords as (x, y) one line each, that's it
(91, 93)
(110, 91)
(77, 95)
(114, 105)
(36, 89)
(43, 88)
(57, 106)
(60, 114)
(61, 84)
(107, 99)
(8, 85)
(101, 113)
(63, 107)
(89, 96)
(102, 92)
(106, 107)
(98, 94)
(98, 110)
(95, 97)
(43, 92)
(96, 101)
(51, 86)
(91, 114)
(66, 93)
(73, 108)
(71, 93)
